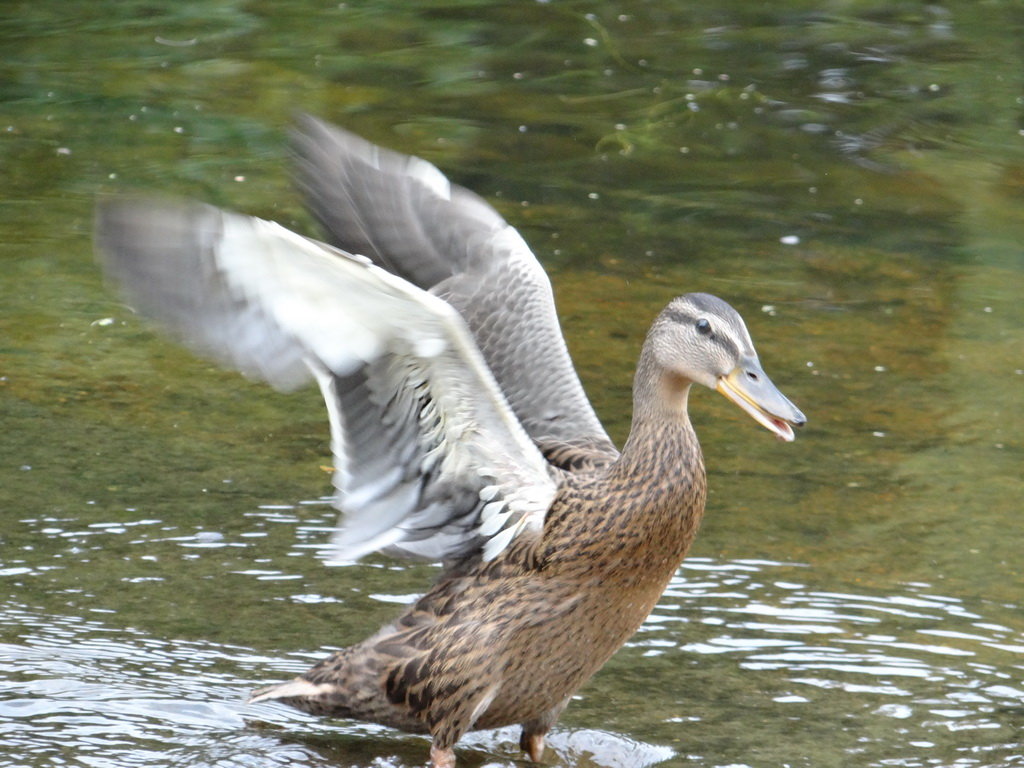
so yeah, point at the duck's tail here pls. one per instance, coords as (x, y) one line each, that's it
(315, 698)
(347, 696)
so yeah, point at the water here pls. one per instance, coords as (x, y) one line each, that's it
(849, 176)
(741, 660)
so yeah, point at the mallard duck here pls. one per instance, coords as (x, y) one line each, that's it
(459, 428)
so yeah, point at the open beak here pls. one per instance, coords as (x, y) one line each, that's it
(749, 387)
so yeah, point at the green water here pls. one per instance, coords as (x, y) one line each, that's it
(850, 175)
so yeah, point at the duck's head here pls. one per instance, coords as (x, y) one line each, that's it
(701, 339)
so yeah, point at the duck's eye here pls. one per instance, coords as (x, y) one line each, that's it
(703, 326)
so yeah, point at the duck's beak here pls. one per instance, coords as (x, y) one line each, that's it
(749, 387)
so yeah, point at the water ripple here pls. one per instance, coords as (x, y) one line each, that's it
(846, 652)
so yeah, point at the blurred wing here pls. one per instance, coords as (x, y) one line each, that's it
(430, 460)
(401, 212)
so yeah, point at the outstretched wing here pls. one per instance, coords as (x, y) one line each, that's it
(401, 212)
(430, 460)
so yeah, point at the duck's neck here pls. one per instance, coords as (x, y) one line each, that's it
(661, 438)
(634, 523)
(660, 472)
(659, 400)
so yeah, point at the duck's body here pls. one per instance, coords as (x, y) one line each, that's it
(459, 429)
(522, 632)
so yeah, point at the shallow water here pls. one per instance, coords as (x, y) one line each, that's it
(741, 661)
(850, 176)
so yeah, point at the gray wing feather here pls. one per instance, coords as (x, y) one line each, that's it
(430, 460)
(165, 262)
(401, 212)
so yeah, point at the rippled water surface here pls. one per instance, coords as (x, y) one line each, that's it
(850, 175)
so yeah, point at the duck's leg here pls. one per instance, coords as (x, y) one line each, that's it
(532, 744)
(441, 757)
(534, 731)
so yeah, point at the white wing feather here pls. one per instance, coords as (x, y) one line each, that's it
(430, 460)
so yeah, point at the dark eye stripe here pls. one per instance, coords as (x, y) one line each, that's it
(727, 344)
(676, 315)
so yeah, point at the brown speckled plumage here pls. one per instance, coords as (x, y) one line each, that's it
(459, 428)
(534, 624)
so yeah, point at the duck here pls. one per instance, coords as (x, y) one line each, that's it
(459, 429)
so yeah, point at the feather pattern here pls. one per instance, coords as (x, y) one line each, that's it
(419, 430)
(401, 212)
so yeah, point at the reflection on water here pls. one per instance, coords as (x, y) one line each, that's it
(804, 657)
